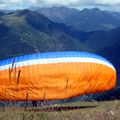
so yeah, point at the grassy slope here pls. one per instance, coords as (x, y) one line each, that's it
(87, 111)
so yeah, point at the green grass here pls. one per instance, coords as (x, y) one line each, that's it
(109, 110)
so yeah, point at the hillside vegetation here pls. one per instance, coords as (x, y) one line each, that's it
(24, 32)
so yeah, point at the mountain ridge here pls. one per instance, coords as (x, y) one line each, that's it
(27, 35)
(84, 20)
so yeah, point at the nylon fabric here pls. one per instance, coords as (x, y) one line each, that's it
(55, 81)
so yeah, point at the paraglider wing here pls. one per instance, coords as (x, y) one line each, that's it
(55, 75)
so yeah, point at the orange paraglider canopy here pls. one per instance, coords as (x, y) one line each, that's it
(54, 76)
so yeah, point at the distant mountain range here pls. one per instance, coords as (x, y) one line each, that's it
(2, 13)
(24, 32)
(114, 14)
(84, 20)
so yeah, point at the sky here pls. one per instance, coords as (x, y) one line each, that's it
(113, 5)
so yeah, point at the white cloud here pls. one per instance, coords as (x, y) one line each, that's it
(67, 2)
(109, 2)
(26, 3)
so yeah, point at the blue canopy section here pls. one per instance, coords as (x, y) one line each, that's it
(52, 55)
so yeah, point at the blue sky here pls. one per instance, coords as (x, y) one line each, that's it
(80, 4)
